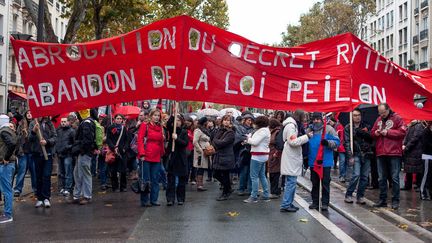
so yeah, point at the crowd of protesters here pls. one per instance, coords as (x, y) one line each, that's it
(158, 149)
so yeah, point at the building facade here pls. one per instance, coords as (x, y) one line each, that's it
(420, 34)
(15, 20)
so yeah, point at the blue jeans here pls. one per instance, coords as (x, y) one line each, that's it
(102, 166)
(386, 164)
(6, 174)
(257, 173)
(360, 176)
(43, 176)
(342, 165)
(83, 177)
(150, 173)
(65, 173)
(25, 162)
(290, 188)
(245, 183)
(163, 176)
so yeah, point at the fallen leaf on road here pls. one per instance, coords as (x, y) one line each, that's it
(233, 214)
(102, 192)
(412, 210)
(425, 224)
(60, 201)
(304, 220)
(403, 226)
(108, 205)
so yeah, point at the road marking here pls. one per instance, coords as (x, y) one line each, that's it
(336, 231)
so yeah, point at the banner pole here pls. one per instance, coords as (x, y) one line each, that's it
(320, 196)
(351, 133)
(175, 124)
(39, 134)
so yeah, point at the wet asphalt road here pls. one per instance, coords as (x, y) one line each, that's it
(117, 217)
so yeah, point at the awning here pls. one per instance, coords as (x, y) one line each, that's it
(16, 95)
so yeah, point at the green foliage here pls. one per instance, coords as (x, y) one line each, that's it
(327, 19)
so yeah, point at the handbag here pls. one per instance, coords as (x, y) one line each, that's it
(110, 156)
(209, 150)
(140, 186)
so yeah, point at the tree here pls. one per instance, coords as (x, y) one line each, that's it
(327, 19)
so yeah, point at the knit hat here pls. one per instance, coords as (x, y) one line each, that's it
(4, 119)
(316, 115)
(84, 113)
(247, 115)
(202, 120)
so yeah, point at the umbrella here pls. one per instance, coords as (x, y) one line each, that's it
(235, 112)
(257, 114)
(208, 112)
(128, 110)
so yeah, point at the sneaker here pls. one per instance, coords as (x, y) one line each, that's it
(103, 188)
(85, 201)
(324, 207)
(47, 203)
(289, 209)
(395, 205)
(180, 203)
(5, 219)
(349, 199)
(73, 200)
(61, 192)
(313, 206)
(66, 193)
(222, 197)
(193, 182)
(17, 194)
(39, 204)
(274, 196)
(361, 201)
(170, 203)
(242, 193)
(250, 200)
(266, 199)
(380, 204)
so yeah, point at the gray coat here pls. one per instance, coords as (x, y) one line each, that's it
(223, 142)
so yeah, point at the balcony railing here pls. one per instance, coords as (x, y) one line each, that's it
(17, 2)
(423, 34)
(416, 11)
(423, 65)
(424, 4)
(415, 40)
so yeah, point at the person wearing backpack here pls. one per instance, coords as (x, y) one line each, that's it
(292, 158)
(85, 146)
(274, 158)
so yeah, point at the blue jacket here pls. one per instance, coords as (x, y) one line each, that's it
(314, 143)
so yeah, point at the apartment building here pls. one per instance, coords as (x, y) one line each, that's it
(388, 31)
(421, 35)
(15, 19)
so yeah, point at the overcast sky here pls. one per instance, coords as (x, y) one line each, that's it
(264, 21)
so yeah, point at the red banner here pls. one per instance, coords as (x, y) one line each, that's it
(184, 59)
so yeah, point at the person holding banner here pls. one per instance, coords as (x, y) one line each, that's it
(44, 162)
(223, 160)
(201, 140)
(321, 146)
(150, 145)
(359, 158)
(389, 131)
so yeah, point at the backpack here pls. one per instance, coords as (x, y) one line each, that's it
(279, 142)
(99, 134)
(133, 144)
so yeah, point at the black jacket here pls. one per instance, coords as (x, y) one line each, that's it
(48, 133)
(8, 144)
(178, 162)
(113, 134)
(362, 141)
(223, 142)
(427, 141)
(85, 138)
(413, 148)
(65, 140)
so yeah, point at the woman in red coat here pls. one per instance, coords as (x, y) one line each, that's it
(150, 150)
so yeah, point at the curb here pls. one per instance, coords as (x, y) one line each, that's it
(351, 218)
(420, 230)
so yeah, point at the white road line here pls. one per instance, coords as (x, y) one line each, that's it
(336, 231)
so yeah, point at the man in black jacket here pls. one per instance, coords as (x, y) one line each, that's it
(85, 140)
(65, 140)
(8, 144)
(242, 152)
(45, 127)
(359, 158)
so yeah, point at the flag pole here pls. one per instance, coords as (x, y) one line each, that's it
(320, 196)
(175, 124)
(351, 133)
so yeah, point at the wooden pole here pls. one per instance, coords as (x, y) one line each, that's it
(175, 124)
(351, 133)
(39, 134)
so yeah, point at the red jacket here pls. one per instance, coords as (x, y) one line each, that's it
(154, 147)
(391, 144)
(340, 132)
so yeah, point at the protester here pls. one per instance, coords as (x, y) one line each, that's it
(340, 151)
(85, 146)
(211, 128)
(189, 123)
(116, 140)
(223, 160)
(412, 151)
(274, 162)
(389, 131)
(8, 146)
(178, 163)
(359, 158)
(259, 142)
(329, 141)
(25, 160)
(242, 153)
(150, 150)
(63, 147)
(292, 158)
(201, 141)
(280, 116)
(426, 183)
(46, 129)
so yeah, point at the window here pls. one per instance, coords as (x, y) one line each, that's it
(391, 41)
(405, 31)
(391, 18)
(400, 37)
(424, 54)
(400, 13)
(14, 23)
(405, 60)
(24, 26)
(405, 9)
(425, 22)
